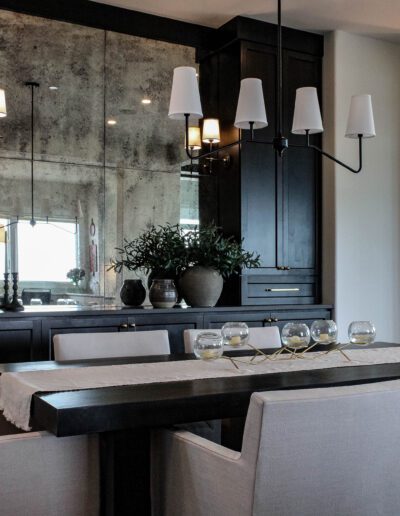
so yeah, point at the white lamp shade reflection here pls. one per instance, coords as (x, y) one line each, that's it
(211, 132)
(79, 211)
(185, 95)
(251, 105)
(194, 138)
(307, 114)
(3, 107)
(361, 117)
(3, 235)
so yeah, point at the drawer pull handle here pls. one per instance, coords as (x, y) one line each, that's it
(275, 319)
(124, 326)
(132, 325)
(282, 290)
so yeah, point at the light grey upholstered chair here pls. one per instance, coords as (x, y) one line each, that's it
(81, 346)
(311, 452)
(42, 475)
(267, 337)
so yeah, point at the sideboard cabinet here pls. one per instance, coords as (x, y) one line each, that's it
(29, 335)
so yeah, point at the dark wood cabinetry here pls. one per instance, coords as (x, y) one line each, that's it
(29, 336)
(272, 203)
(20, 340)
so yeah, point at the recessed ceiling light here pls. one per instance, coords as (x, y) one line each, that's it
(146, 101)
(53, 88)
(111, 121)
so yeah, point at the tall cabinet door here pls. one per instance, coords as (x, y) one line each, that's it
(301, 172)
(260, 179)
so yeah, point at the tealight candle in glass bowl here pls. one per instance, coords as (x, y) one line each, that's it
(295, 335)
(208, 346)
(362, 333)
(235, 334)
(324, 331)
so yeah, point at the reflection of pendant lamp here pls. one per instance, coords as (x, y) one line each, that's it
(3, 240)
(32, 86)
(3, 108)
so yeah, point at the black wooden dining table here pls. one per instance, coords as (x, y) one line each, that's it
(124, 416)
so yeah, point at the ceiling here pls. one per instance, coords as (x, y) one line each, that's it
(378, 18)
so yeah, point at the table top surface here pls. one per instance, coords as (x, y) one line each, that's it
(160, 404)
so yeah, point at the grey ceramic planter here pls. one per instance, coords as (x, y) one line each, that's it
(201, 286)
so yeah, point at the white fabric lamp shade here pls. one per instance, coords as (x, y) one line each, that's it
(185, 95)
(361, 117)
(307, 114)
(194, 138)
(211, 130)
(3, 108)
(251, 105)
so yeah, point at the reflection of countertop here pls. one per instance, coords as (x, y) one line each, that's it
(65, 310)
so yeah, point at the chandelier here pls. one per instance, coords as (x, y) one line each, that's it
(251, 114)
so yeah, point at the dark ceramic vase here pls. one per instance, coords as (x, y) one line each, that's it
(163, 293)
(156, 274)
(133, 292)
(201, 286)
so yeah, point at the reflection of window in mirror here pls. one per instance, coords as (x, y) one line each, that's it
(189, 203)
(46, 252)
(3, 238)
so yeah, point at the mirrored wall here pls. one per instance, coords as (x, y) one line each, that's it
(107, 159)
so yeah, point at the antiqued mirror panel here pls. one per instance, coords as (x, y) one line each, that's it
(106, 161)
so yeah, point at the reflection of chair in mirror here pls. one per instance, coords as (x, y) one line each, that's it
(36, 293)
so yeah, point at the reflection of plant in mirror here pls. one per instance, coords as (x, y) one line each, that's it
(76, 275)
(160, 250)
(169, 250)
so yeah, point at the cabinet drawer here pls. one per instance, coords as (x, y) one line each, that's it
(268, 290)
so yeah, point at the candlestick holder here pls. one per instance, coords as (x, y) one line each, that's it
(15, 305)
(6, 297)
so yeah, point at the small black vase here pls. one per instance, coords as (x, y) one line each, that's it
(133, 292)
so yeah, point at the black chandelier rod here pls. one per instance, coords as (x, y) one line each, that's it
(280, 71)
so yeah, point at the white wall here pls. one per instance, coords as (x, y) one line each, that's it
(361, 220)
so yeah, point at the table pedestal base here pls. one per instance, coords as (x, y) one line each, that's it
(125, 473)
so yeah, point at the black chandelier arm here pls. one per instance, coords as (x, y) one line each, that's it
(3, 226)
(309, 145)
(327, 155)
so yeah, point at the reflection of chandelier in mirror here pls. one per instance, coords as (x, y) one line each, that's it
(3, 108)
(185, 104)
(45, 202)
(210, 134)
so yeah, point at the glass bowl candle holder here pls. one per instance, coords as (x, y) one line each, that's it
(324, 331)
(362, 333)
(295, 335)
(208, 346)
(235, 334)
